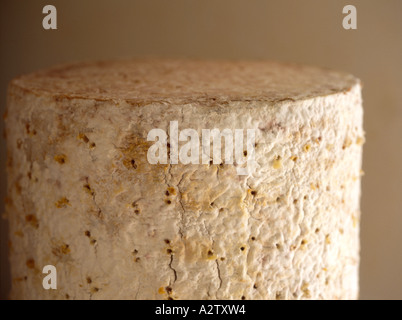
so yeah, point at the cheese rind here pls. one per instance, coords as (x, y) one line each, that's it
(83, 197)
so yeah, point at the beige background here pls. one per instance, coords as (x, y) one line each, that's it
(308, 31)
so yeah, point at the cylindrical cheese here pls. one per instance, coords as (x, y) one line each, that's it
(84, 197)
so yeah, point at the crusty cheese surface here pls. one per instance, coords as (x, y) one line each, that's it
(83, 197)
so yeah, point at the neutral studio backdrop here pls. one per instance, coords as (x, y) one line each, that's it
(308, 31)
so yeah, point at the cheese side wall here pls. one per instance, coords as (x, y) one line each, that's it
(83, 197)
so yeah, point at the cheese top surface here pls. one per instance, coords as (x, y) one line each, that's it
(153, 80)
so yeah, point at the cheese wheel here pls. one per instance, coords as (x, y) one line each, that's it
(84, 196)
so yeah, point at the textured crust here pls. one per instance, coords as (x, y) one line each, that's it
(288, 230)
(186, 81)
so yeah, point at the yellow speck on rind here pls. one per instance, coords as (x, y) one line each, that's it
(306, 291)
(62, 203)
(360, 141)
(277, 163)
(65, 249)
(355, 221)
(19, 233)
(307, 147)
(172, 190)
(83, 137)
(60, 158)
(347, 143)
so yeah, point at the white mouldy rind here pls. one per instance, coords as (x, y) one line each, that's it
(83, 197)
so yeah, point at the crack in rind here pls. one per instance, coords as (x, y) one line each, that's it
(217, 173)
(183, 211)
(167, 178)
(93, 195)
(219, 275)
(248, 227)
(173, 269)
(216, 261)
(168, 173)
(96, 205)
(136, 294)
(169, 165)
